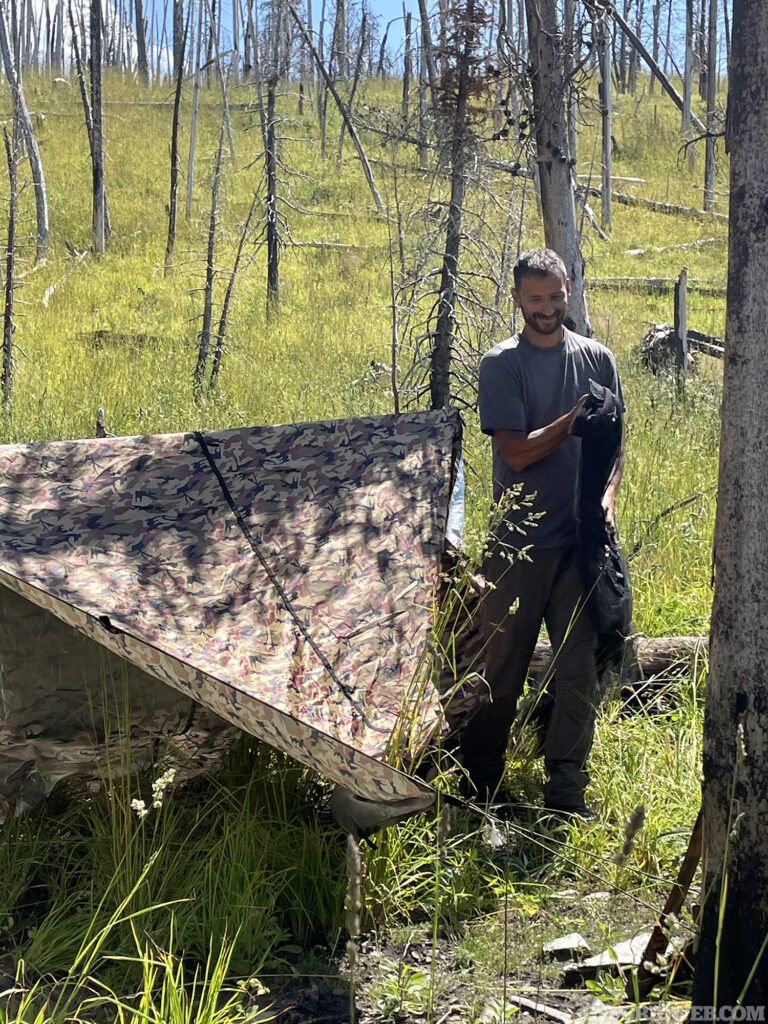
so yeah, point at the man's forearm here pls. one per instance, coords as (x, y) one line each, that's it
(520, 449)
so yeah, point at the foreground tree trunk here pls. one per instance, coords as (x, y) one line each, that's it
(732, 961)
(549, 103)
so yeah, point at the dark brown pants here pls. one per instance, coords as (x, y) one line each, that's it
(547, 588)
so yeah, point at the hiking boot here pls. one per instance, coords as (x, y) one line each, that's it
(576, 812)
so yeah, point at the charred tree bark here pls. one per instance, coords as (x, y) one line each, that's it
(178, 35)
(688, 72)
(221, 331)
(100, 237)
(549, 105)
(732, 966)
(30, 139)
(273, 233)
(656, 24)
(173, 199)
(81, 81)
(407, 68)
(10, 271)
(141, 43)
(204, 339)
(195, 109)
(445, 328)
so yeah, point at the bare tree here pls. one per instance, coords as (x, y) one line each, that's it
(100, 237)
(204, 338)
(141, 42)
(10, 272)
(445, 327)
(30, 139)
(173, 200)
(549, 87)
(273, 235)
(709, 163)
(732, 961)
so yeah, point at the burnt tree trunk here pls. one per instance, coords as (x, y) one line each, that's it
(173, 201)
(221, 332)
(10, 270)
(204, 338)
(273, 232)
(445, 328)
(97, 132)
(732, 963)
(407, 68)
(549, 105)
(142, 63)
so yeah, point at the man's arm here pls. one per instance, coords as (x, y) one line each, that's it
(520, 449)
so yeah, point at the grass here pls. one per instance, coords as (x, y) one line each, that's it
(240, 876)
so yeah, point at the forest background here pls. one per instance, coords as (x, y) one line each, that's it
(243, 871)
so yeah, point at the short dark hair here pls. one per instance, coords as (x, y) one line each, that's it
(540, 262)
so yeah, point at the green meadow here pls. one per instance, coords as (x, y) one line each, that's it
(238, 880)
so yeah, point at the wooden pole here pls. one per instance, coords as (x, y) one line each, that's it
(681, 327)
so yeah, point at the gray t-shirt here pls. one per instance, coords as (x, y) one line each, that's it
(525, 387)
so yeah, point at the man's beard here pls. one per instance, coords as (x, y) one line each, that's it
(549, 326)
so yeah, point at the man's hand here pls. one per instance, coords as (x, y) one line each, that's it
(520, 449)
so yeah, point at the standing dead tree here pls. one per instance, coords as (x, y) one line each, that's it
(10, 269)
(100, 236)
(273, 234)
(342, 110)
(83, 85)
(30, 139)
(204, 338)
(732, 963)
(445, 327)
(221, 332)
(173, 200)
(549, 86)
(142, 64)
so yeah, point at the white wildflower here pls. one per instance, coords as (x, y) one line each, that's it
(141, 809)
(160, 785)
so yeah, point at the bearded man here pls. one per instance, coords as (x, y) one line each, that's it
(532, 387)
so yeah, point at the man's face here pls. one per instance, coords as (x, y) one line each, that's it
(543, 301)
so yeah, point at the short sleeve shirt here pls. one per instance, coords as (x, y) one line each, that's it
(526, 387)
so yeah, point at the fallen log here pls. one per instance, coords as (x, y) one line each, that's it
(697, 243)
(646, 657)
(627, 199)
(656, 284)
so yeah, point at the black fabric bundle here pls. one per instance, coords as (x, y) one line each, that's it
(604, 569)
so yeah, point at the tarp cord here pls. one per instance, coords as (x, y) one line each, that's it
(256, 548)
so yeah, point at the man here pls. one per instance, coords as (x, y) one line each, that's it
(531, 389)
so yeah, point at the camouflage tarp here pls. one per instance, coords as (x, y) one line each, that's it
(282, 577)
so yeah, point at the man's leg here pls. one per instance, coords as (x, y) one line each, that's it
(511, 639)
(574, 688)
